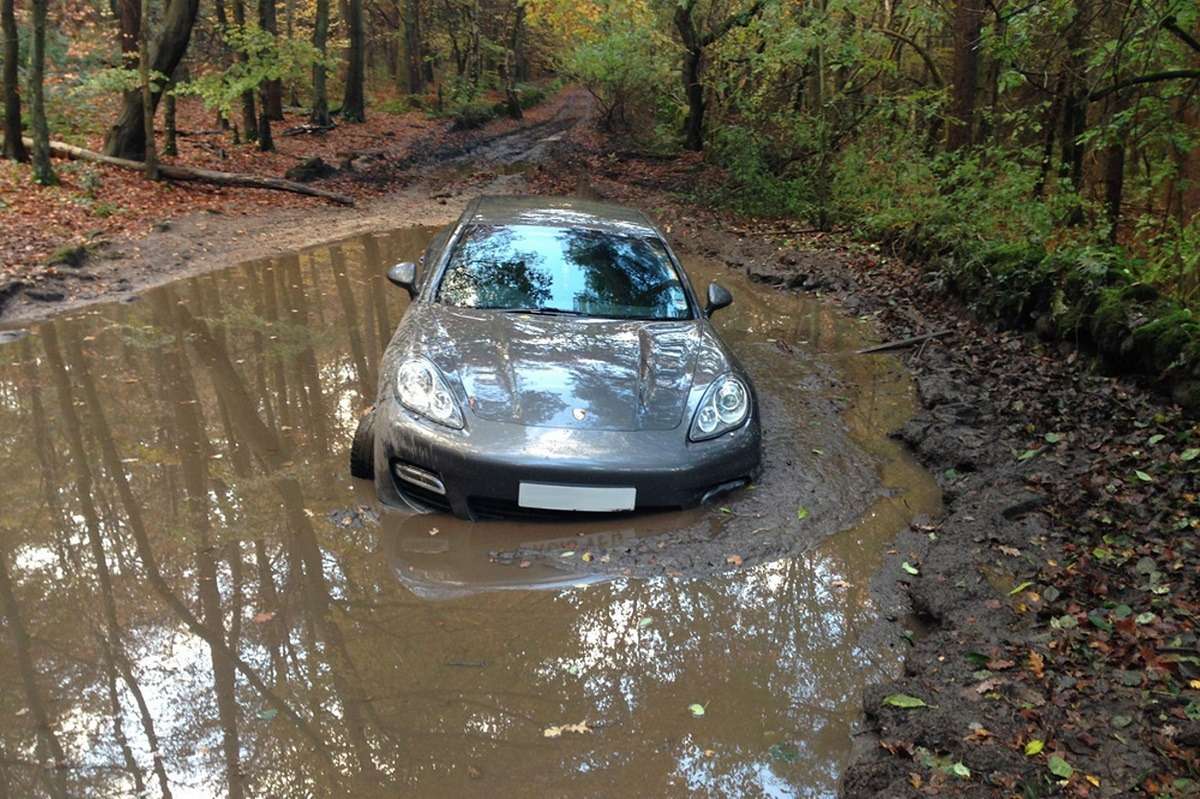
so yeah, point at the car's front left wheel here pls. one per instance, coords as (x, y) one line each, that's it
(362, 449)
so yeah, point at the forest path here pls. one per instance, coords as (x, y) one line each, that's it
(432, 185)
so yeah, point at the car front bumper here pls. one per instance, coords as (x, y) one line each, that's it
(480, 469)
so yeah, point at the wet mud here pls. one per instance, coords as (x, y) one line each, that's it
(200, 600)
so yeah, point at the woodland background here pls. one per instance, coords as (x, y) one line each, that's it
(1040, 155)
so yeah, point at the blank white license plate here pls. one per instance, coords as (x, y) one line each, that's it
(548, 496)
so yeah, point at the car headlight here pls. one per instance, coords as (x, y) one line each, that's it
(421, 388)
(725, 406)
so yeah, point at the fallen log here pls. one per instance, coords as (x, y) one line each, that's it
(902, 343)
(187, 173)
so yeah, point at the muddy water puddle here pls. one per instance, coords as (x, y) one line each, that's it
(200, 601)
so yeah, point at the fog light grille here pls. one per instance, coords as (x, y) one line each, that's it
(419, 477)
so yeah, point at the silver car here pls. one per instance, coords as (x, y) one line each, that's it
(554, 359)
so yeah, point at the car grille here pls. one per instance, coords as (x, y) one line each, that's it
(419, 494)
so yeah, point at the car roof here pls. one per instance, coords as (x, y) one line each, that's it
(560, 211)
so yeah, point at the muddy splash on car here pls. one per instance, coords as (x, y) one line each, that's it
(197, 594)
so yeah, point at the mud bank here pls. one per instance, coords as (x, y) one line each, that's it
(1059, 585)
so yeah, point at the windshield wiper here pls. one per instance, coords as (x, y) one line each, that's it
(544, 311)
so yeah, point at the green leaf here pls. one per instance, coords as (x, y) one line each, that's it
(1033, 747)
(784, 752)
(1064, 622)
(1027, 454)
(645, 621)
(1190, 454)
(1053, 438)
(1154, 439)
(1145, 478)
(911, 569)
(696, 709)
(1021, 587)
(802, 513)
(267, 714)
(1059, 767)
(904, 701)
(1145, 618)
(960, 769)
(726, 510)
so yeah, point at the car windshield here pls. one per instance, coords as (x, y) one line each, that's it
(545, 269)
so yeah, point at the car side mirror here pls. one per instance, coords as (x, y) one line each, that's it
(404, 275)
(718, 298)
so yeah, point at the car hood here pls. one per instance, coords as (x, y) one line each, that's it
(566, 371)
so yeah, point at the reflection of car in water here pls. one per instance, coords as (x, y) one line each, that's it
(555, 358)
(456, 561)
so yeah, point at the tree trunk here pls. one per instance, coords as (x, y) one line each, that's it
(42, 171)
(320, 105)
(183, 173)
(127, 137)
(129, 18)
(413, 47)
(14, 148)
(151, 158)
(517, 45)
(353, 100)
(272, 104)
(266, 144)
(511, 98)
(968, 21)
(170, 145)
(249, 118)
(693, 126)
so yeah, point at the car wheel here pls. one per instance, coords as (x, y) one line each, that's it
(362, 449)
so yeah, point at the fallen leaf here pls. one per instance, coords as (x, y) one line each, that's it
(696, 709)
(267, 714)
(1020, 587)
(1034, 747)
(733, 560)
(1037, 664)
(802, 513)
(1059, 767)
(645, 621)
(555, 732)
(911, 569)
(434, 531)
(524, 564)
(1145, 478)
(959, 769)
(904, 701)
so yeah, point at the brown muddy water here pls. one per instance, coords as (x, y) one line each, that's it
(200, 601)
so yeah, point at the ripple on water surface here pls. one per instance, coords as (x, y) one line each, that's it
(197, 594)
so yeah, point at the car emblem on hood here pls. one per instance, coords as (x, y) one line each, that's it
(579, 413)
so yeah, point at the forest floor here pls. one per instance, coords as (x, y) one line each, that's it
(1060, 585)
(104, 232)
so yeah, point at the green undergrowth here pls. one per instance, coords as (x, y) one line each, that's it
(983, 232)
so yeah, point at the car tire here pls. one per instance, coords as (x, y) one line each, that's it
(362, 449)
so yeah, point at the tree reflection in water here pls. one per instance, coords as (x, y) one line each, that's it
(183, 614)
